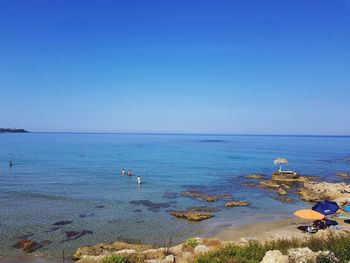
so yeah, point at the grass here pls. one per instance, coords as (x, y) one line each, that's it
(254, 251)
(115, 259)
(190, 243)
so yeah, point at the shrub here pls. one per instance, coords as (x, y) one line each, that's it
(190, 243)
(114, 259)
(254, 252)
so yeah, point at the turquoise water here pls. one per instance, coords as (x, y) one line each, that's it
(76, 177)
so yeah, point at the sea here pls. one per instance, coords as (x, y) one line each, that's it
(65, 190)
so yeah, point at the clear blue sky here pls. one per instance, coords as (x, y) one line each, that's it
(256, 67)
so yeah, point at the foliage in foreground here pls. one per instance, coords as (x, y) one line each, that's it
(190, 243)
(254, 251)
(114, 259)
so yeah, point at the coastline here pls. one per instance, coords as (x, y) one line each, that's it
(281, 227)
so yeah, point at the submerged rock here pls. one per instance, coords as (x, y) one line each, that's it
(62, 223)
(343, 175)
(203, 209)
(154, 207)
(233, 204)
(254, 176)
(282, 191)
(27, 245)
(269, 184)
(192, 216)
(250, 184)
(171, 195)
(200, 196)
(284, 199)
(87, 215)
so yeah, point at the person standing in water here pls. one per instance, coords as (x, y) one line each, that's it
(123, 172)
(138, 179)
(129, 173)
(10, 164)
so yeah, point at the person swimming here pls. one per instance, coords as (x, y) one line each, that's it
(123, 172)
(138, 179)
(129, 173)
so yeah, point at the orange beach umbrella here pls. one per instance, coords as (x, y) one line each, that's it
(309, 214)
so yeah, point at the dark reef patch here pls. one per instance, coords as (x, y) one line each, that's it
(62, 223)
(171, 195)
(154, 207)
(72, 235)
(87, 215)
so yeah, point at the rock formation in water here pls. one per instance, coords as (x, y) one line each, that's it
(315, 192)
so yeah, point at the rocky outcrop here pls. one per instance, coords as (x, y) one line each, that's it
(233, 204)
(27, 245)
(274, 256)
(192, 216)
(254, 176)
(145, 253)
(315, 192)
(306, 255)
(299, 255)
(104, 249)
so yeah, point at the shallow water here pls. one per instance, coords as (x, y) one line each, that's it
(76, 177)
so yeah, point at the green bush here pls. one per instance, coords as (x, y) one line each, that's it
(190, 243)
(254, 251)
(114, 259)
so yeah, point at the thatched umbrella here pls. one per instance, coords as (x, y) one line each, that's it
(280, 161)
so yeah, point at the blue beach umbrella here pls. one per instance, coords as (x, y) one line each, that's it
(326, 207)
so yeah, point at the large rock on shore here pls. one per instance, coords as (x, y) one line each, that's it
(190, 215)
(144, 253)
(299, 255)
(274, 256)
(104, 249)
(315, 192)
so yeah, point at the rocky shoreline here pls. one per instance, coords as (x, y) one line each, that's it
(308, 191)
(305, 187)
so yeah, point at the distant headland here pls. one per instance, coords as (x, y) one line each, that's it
(3, 130)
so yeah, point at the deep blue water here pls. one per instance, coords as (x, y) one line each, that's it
(70, 176)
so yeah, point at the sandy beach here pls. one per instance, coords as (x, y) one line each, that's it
(263, 231)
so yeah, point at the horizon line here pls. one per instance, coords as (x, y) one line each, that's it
(200, 134)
